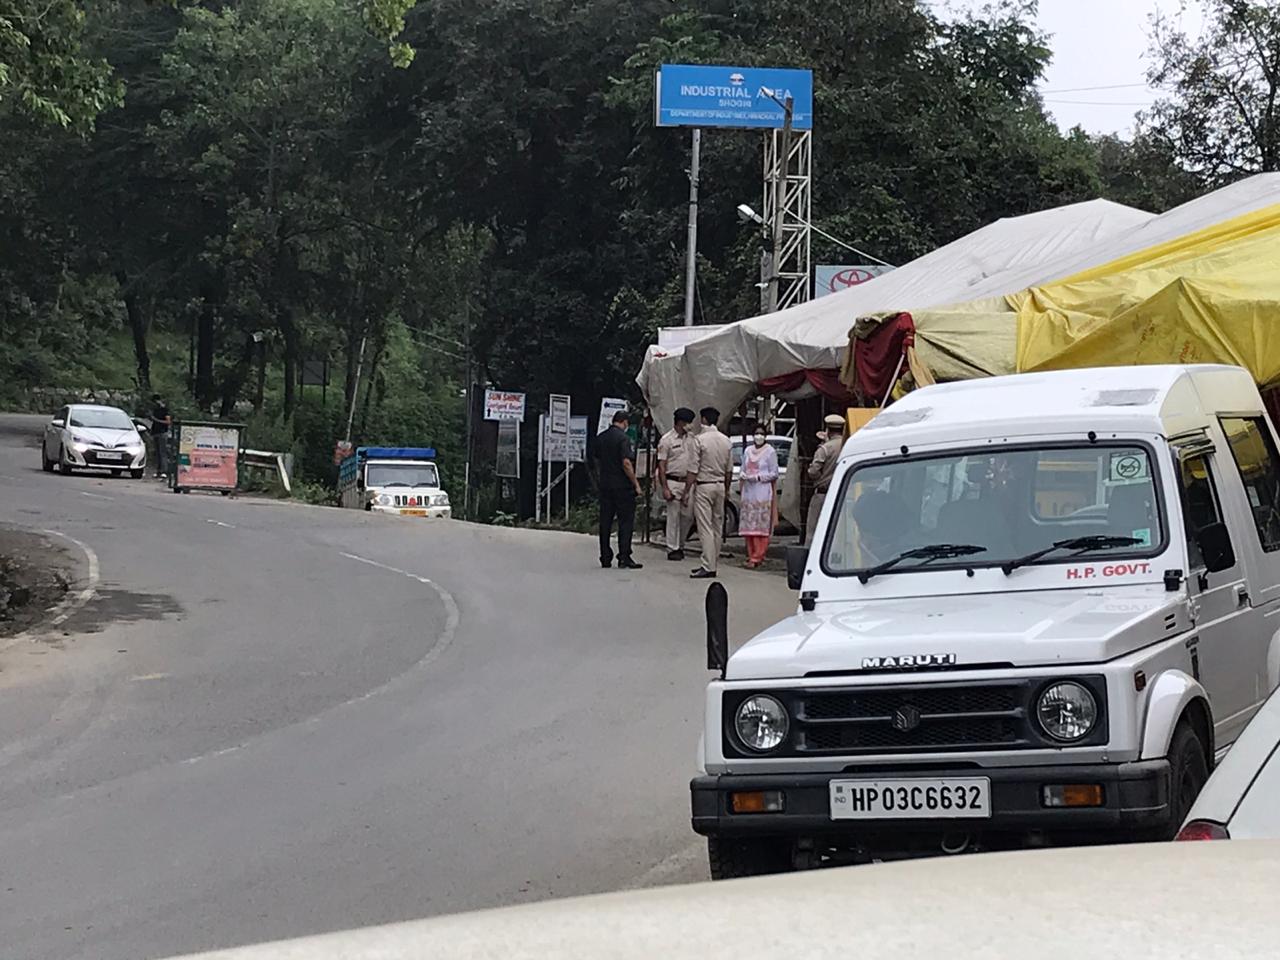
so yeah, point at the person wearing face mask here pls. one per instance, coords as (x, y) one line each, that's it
(758, 511)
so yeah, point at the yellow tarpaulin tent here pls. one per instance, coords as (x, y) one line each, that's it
(1212, 296)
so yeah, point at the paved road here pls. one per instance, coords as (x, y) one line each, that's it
(274, 720)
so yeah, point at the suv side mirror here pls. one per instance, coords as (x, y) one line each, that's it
(717, 628)
(57, 422)
(797, 559)
(140, 426)
(1215, 547)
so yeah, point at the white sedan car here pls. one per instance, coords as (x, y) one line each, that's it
(1242, 798)
(85, 435)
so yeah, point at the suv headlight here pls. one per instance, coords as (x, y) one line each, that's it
(761, 723)
(440, 500)
(1067, 711)
(384, 500)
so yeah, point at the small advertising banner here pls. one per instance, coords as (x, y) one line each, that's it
(571, 448)
(507, 463)
(559, 414)
(608, 407)
(503, 406)
(208, 456)
(832, 278)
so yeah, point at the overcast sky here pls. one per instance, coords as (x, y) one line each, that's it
(1098, 73)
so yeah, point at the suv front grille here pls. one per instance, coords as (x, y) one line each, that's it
(924, 718)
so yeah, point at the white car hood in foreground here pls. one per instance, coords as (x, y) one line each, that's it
(1033, 628)
(1155, 901)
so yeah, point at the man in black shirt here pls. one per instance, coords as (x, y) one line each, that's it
(618, 491)
(160, 420)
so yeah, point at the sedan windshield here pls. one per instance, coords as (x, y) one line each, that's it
(106, 418)
(402, 475)
(1013, 504)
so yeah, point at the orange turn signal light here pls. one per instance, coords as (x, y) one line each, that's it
(1074, 795)
(757, 801)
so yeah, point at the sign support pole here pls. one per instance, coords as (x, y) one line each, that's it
(691, 255)
(780, 200)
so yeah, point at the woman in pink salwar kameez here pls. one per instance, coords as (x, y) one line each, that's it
(758, 505)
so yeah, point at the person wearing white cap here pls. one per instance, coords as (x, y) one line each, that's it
(822, 469)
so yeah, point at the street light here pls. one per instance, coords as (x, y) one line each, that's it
(748, 215)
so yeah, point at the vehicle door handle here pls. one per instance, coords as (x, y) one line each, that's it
(1242, 594)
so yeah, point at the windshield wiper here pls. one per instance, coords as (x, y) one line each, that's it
(937, 551)
(1078, 544)
(395, 483)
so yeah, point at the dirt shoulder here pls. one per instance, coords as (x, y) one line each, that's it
(35, 573)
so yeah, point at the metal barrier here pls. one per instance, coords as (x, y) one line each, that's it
(282, 463)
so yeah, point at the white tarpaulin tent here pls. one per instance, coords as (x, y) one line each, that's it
(723, 368)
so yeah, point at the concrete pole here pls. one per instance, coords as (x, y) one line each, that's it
(691, 254)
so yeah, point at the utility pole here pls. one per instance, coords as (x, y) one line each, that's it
(355, 390)
(691, 255)
(779, 204)
(470, 427)
(260, 343)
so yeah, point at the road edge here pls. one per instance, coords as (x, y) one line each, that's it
(71, 603)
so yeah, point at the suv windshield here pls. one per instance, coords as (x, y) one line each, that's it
(402, 475)
(105, 418)
(1012, 503)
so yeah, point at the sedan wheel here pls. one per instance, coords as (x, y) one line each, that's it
(64, 468)
(45, 463)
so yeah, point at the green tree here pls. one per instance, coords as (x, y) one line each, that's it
(1219, 116)
(44, 73)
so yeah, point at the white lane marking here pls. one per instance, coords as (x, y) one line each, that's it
(219, 523)
(96, 496)
(70, 604)
(383, 566)
(5, 476)
(216, 753)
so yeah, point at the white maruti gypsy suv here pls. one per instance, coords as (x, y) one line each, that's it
(1036, 610)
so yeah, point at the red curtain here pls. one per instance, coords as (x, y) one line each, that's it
(826, 382)
(876, 358)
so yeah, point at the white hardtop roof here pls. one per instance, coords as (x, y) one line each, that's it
(1164, 400)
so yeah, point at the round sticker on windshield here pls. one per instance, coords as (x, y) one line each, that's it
(1128, 466)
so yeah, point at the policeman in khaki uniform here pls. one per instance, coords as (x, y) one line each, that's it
(712, 475)
(677, 460)
(822, 469)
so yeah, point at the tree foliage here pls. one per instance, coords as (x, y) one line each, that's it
(274, 188)
(1220, 116)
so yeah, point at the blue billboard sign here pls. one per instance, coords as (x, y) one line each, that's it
(701, 96)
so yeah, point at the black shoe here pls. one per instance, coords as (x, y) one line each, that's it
(606, 564)
(675, 554)
(629, 564)
(701, 574)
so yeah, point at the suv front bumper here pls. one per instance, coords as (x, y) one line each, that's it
(1135, 799)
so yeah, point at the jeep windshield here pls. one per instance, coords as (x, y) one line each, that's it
(402, 475)
(1013, 503)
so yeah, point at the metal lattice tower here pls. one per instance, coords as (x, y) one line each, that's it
(793, 269)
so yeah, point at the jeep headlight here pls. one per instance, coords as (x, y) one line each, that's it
(1067, 711)
(761, 723)
(384, 500)
(440, 500)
